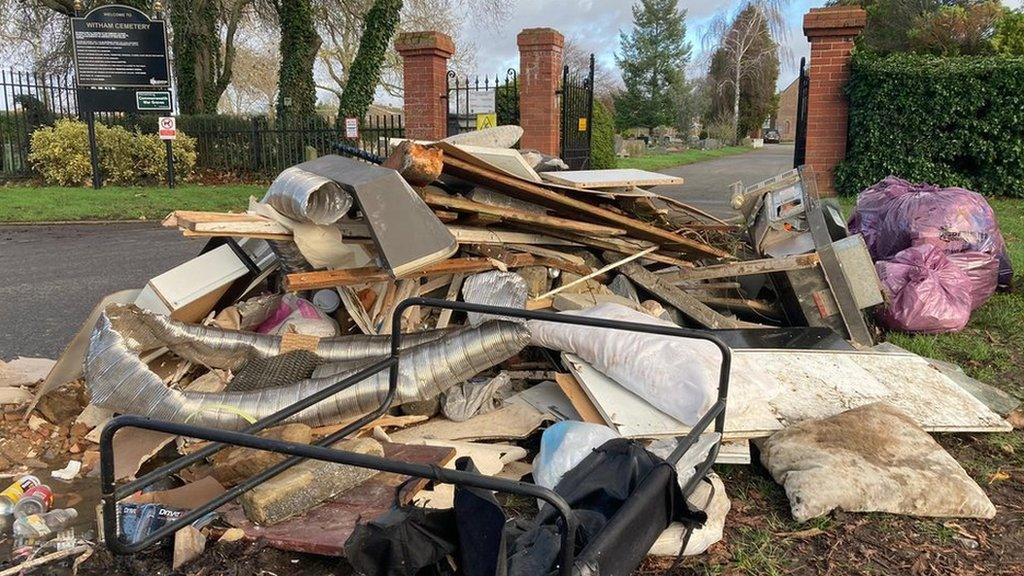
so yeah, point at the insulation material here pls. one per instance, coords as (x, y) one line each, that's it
(929, 293)
(119, 380)
(307, 197)
(894, 214)
(506, 289)
(678, 376)
(708, 497)
(298, 316)
(870, 459)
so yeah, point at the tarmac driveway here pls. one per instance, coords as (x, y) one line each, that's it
(707, 183)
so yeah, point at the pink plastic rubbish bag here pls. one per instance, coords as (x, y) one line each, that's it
(894, 214)
(929, 293)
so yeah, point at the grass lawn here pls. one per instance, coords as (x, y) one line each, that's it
(656, 162)
(47, 204)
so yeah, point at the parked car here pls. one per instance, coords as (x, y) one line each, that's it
(771, 136)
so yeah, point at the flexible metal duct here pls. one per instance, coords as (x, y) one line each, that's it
(307, 197)
(230, 349)
(120, 381)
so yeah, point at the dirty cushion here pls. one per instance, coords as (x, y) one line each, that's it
(870, 459)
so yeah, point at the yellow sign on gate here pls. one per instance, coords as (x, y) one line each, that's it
(489, 120)
(582, 124)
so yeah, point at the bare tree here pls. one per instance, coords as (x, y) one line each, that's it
(577, 58)
(736, 42)
(253, 87)
(340, 25)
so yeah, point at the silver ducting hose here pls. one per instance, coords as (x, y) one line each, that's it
(118, 380)
(307, 197)
(230, 349)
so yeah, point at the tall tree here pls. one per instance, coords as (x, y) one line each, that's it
(296, 94)
(204, 50)
(652, 58)
(946, 27)
(745, 62)
(381, 21)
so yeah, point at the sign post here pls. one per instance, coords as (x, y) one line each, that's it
(121, 65)
(168, 131)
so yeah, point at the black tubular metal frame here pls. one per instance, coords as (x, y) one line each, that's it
(111, 493)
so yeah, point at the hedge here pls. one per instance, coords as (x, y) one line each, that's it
(602, 138)
(948, 121)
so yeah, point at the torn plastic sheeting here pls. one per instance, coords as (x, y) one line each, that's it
(506, 289)
(229, 350)
(564, 445)
(675, 375)
(463, 401)
(306, 197)
(117, 379)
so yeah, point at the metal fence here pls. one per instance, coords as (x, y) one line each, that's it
(464, 98)
(242, 146)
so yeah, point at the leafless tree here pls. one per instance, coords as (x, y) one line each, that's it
(740, 44)
(253, 87)
(340, 26)
(577, 58)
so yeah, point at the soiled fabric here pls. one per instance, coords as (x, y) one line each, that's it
(870, 459)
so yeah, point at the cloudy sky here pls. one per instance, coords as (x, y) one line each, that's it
(595, 25)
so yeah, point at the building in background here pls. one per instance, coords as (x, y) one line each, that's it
(785, 118)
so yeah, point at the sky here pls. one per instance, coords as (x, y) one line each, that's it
(595, 25)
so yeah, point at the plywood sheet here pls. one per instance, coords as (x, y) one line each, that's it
(615, 178)
(513, 421)
(507, 160)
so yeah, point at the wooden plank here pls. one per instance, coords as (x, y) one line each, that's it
(667, 294)
(548, 253)
(469, 235)
(506, 160)
(512, 421)
(561, 203)
(513, 258)
(453, 292)
(353, 276)
(615, 178)
(741, 305)
(748, 268)
(624, 245)
(514, 215)
(570, 386)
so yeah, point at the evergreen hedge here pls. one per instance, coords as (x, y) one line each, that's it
(949, 121)
(602, 138)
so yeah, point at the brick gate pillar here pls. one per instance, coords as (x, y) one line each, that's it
(540, 71)
(831, 32)
(425, 63)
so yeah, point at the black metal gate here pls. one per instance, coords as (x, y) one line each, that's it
(471, 103)
(800, 146)
(577, 116)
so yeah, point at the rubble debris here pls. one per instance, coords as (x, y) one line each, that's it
(189, 544)
(307, 484)
(416, 163)
(873, 458)
(234, 464)
(24, 371)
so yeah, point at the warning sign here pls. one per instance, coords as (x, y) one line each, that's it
(486, 121)
(582, 125)
(167, 128)
(352, 128)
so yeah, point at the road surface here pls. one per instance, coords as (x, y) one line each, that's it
(706, 184)
(52, 276)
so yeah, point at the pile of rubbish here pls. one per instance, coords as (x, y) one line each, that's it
(303, 291)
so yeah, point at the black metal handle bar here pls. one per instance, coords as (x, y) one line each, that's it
(297, 452)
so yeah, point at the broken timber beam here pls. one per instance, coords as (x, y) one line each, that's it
(564, 204)
(689, 306)
(764, 266)
(622, 245)
(368, 274)
(513, 215)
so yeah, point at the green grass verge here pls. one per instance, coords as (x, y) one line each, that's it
(661, 161)
(47, 204)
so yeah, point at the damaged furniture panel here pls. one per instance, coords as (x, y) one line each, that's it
(407, 233)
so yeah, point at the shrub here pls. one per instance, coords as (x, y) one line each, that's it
(602, 138)
(946, 121)
(60, 154)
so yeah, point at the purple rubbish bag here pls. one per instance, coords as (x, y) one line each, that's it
(929, 293)
(894, 214)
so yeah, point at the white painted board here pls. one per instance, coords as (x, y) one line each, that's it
(614, 178)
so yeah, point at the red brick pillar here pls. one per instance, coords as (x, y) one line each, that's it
(540, 71)
(425, 64)
(831, 32)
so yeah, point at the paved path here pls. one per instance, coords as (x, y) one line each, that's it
(707, 183)
(52, 276)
